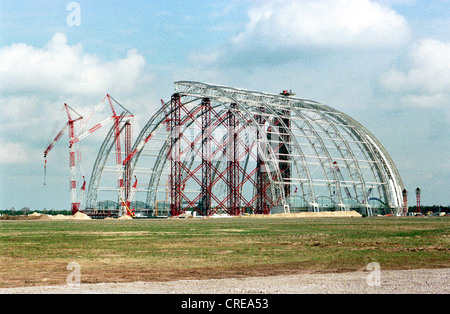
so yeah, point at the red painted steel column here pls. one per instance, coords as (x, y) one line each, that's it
(175, 155)
(261, 174)
(127, 168)
(233, 163)
(418, 201)
(283, 152)
(206, 158)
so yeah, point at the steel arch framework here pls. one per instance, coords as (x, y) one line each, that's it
(224, 149)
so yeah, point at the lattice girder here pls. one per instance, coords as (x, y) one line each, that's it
(329, 154)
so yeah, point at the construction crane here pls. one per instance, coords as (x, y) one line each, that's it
(123, 183)
(70, 125)
(127, 203)
(74, 139)
(137, 149)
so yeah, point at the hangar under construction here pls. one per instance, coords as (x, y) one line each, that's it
(214, 149)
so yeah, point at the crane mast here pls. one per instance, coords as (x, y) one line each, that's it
(70, 125)
(75, 205)
(123, 168)
(125, 190)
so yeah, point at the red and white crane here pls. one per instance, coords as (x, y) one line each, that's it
(70, 125)
(74, 139)
(123, 183)
(124, 170)
(127, 202)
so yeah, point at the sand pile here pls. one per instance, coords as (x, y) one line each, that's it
(44, 217)
(125, 217)
(81, 216)
(60, 217)
(39, 216)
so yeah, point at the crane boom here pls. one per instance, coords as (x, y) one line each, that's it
(72, 117)
(55, 140)
(72, 178)
(91, 130)
(50, 147)
(148, 138)
(138, 148)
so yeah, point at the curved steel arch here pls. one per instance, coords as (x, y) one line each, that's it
(100, 162)
(362, 158)
(380, 162)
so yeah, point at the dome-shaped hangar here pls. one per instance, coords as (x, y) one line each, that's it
(217, 149)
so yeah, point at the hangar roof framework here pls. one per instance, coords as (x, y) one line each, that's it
(330, 154)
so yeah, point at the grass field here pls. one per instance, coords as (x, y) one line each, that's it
(38, 252)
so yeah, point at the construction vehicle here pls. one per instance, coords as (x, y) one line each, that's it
(287, 93)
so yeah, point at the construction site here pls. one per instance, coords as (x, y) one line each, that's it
(289, 178)
(215, 150)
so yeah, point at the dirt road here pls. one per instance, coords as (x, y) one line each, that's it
(424, 281)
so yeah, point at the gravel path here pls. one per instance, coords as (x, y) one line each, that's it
(427, 281)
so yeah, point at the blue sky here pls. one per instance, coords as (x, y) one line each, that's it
(386, 63)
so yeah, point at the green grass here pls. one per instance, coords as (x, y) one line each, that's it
(37, 252)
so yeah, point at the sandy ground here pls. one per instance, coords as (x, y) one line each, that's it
(82, 216)
(423, 281)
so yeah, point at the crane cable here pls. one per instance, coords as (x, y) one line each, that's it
(52, 135)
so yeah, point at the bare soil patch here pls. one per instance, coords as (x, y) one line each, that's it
(416, 281)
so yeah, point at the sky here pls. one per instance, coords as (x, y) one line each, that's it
(385, 63)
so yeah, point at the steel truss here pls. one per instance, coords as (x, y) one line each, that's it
(228, 150)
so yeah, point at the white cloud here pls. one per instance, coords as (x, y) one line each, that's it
(311, 31)
(323, 23)
(64, 69)
(425, 77)
(13, 153)
(36, 82)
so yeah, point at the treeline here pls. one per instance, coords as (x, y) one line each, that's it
(27, 211)
(433, 208)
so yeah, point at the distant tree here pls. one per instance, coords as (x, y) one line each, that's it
(25, 210)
